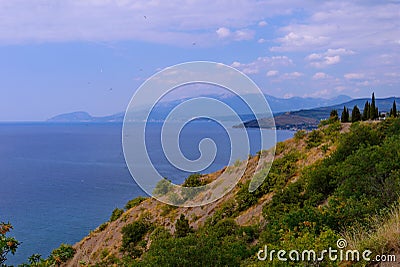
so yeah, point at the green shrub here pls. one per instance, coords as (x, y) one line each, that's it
(160, 233)
(314, 139)
(182, 227)
(116, 214)
(227, 210)
(280, 147)
(131, 235)
(103, 226)
(244, 198)
(290, 198)
(359, 135)
(35, 259)
(163, 187)
(332, 131)
(61, 254)
(299, 135)
(134, 202)
(194, 180)
(223, 228)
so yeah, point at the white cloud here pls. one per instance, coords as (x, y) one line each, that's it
(223, 32)
(261, 41)
(244, 34)
(236, 64)
(357, 25)
(296, 74)
(314, 56)
(300, 41)
(262, 23)
(272, 73)
(320, 76)
(262, 63)
(354, 76)
(330, 60)
(329, 57)
(339, 51)
(239, 35)
(291, 75)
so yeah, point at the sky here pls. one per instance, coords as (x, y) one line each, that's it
(59, 56)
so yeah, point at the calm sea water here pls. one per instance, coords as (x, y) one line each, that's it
(60, 181)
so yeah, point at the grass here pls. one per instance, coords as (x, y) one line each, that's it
(383, 236)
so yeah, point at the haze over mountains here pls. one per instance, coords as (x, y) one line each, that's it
(277, 105)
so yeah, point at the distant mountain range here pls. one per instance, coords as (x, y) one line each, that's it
(277, 105)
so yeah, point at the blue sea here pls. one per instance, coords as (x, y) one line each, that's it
(60, 181)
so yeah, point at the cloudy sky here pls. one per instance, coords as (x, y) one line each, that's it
(61, 56)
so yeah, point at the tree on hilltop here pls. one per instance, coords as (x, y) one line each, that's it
(355, 114)
(345, 115)
(373, 111)
(365, 115)
(393, 110)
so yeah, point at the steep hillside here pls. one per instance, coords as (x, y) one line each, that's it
(320, 185)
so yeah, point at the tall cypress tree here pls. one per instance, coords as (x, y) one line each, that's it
(342, 117)
(372, 110)
(355, 114)
(365, 115)
(345, 115)
(393, 111)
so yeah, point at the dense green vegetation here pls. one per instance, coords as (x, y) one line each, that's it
(308, 207)
(222, 244)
